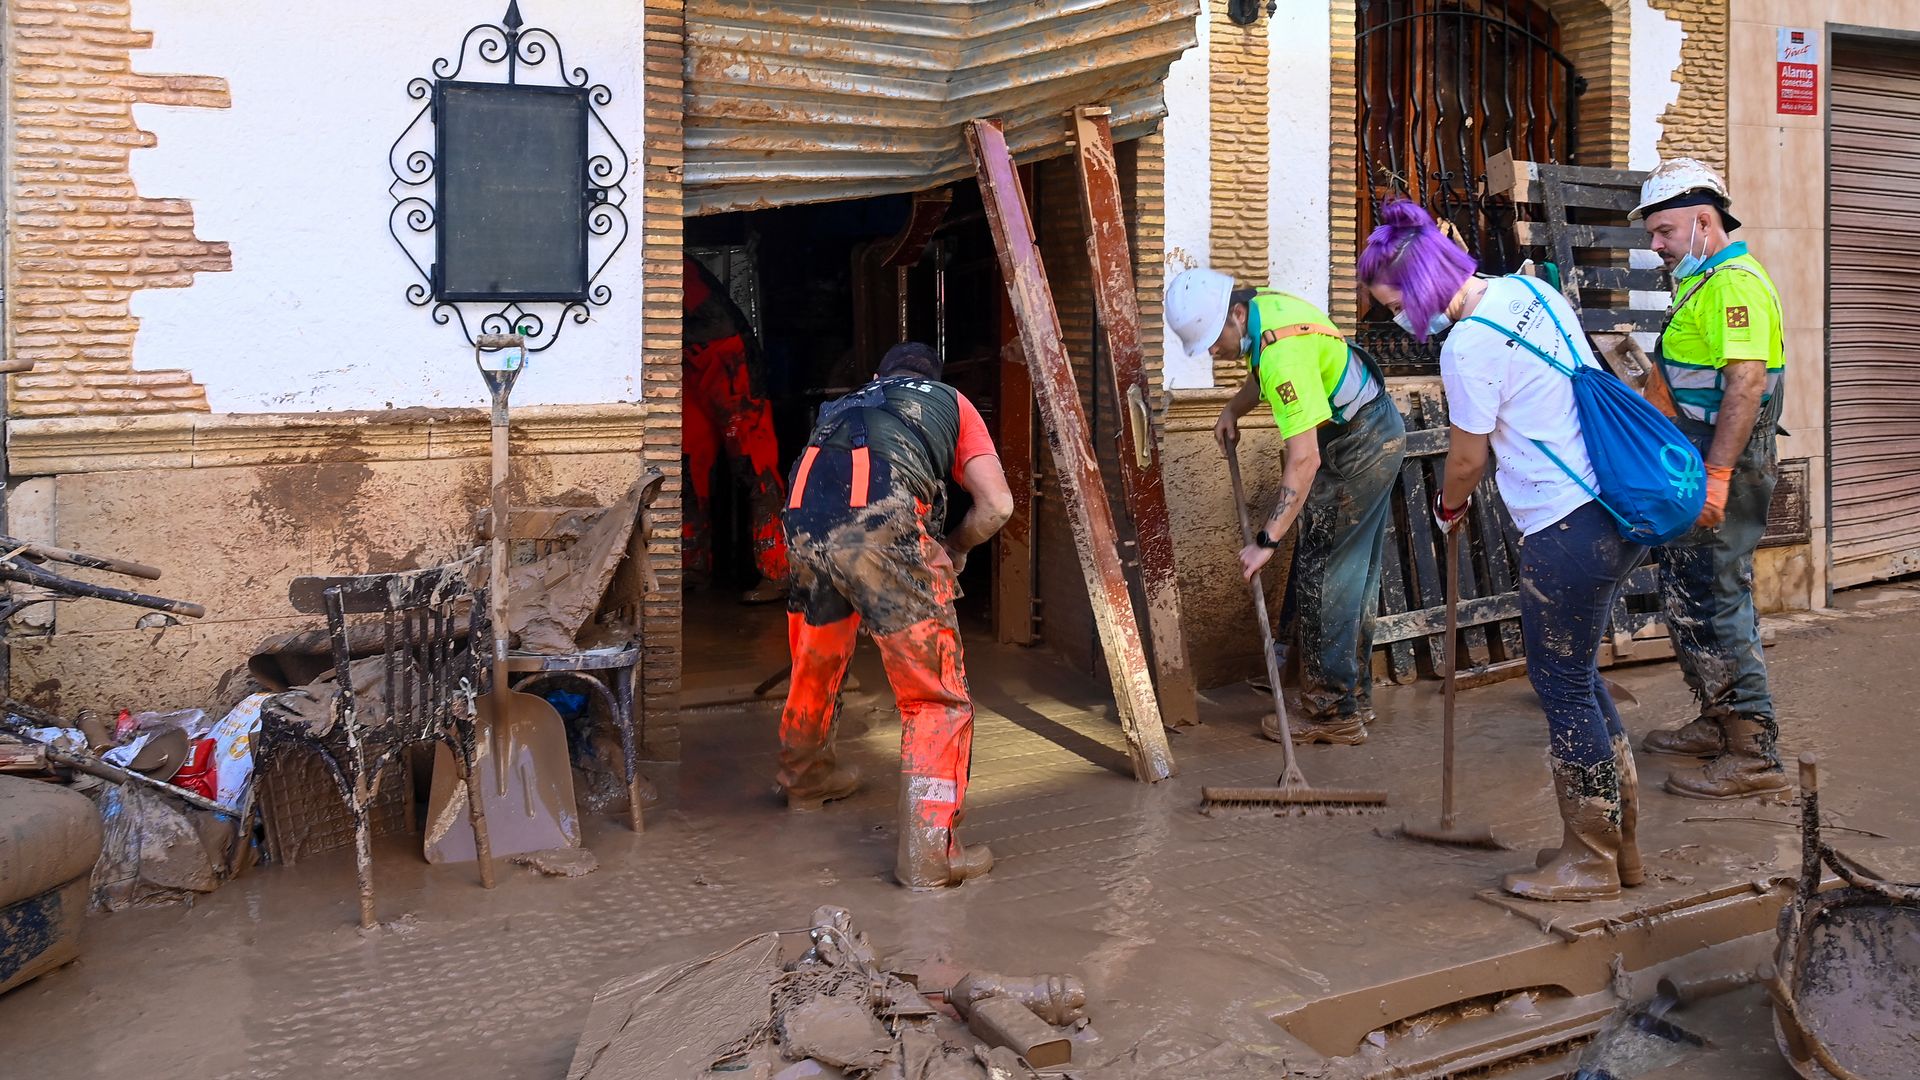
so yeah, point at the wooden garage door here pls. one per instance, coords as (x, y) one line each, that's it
(1874, 313)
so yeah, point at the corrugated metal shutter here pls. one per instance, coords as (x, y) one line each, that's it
(1873, 304)
(793, 101)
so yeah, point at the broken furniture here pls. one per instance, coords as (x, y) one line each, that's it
(49, 840)
(1846, 987)
(417, 689)
(598, 555)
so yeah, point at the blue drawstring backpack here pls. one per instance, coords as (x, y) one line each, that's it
(1651, 477)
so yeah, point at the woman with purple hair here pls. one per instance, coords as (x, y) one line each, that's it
(1505, 401)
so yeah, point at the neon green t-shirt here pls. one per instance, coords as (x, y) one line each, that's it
(1728, 312)
(1307, 379)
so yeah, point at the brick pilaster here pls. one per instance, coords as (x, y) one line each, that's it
(1238, 95)
(1695, 125)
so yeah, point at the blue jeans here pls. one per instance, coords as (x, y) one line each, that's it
(1570, 574)
(1706, 584)
(1333, 591)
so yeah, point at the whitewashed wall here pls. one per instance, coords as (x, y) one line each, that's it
(1299, 77)
(294, 177)
(1189, 192)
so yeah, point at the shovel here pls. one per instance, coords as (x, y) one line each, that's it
(520, 750)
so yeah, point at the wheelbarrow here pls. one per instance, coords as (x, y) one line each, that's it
(1846, 985)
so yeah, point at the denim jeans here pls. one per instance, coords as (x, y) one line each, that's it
(1333, 590)
(1570, 575)
(1706, 583)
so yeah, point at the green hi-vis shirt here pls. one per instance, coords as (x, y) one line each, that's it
(1729, 311)
(1307, 379)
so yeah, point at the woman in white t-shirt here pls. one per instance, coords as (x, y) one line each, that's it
(1506, 402)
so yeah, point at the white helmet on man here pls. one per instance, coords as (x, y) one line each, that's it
(1683, 176)
(1197, 303)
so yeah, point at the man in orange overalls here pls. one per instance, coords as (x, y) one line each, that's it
(722, 410)
(865, 528)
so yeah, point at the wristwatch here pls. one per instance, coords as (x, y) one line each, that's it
(1260, 540)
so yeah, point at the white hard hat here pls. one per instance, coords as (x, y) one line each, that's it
(1197, 303)
(1683, 176)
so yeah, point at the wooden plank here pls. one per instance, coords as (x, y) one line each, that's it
(1423, 562)
(1432, 621)
(1393, 601)
(1497, 567)
(1094, 537)
(1621, 321)
(1610, 237)
(1116, 301)
(1623, 279)
(1473, 642)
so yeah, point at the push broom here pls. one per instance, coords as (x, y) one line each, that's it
(1293, 789)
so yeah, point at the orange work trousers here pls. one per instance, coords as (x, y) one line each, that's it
(721, 414)
(880, 568)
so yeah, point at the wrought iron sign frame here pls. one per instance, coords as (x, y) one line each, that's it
(415, 155)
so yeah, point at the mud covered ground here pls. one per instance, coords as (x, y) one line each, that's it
(1192, 932)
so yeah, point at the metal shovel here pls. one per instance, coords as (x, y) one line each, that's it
(527, 785)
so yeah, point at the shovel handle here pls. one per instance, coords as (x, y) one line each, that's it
(1449, 651)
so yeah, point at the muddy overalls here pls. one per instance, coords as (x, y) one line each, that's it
(863, 527)
(1729, 311)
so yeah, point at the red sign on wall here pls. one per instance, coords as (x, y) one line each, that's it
(1798, 65)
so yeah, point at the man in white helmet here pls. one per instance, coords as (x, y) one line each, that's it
(1345, 442)
(1722, 353)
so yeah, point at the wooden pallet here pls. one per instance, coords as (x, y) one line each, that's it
(1575, 218)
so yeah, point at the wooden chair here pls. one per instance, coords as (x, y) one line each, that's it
(611, 674)
(429, 679)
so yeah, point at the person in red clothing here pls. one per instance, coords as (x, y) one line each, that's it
(866, 527)
(724, 411)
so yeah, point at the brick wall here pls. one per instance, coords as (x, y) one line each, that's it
(82, 238)
(1695, 125)
(1343, 169)
(1238, 97)
(665, 59)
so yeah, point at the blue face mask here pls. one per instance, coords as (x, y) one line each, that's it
(1437, 324)
(1246, 344)
(1689, 263)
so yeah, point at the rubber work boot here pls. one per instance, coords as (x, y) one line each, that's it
(935, 859)
(1339, 730)
(1586, 867)
(1631, 872)
(1748, 767)
(822, 787)
(1700, 737)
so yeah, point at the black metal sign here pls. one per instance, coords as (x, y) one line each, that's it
(508, 195)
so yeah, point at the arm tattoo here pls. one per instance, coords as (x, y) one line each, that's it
(1287, 495)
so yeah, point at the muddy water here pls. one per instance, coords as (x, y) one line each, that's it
(1191, 932)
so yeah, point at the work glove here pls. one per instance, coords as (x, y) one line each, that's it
(1719, 479)
(1447, 520)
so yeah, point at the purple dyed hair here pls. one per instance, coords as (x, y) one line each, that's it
(1410, 253)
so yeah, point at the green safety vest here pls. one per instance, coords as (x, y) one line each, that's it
(1308, 378)
(1729, 311)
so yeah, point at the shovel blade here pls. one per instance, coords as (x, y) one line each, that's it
(536, 813)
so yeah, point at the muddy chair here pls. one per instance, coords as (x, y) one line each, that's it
(418, 688)
(612, 673)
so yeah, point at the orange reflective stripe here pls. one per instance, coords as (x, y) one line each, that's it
(800, 477)
(858, 495)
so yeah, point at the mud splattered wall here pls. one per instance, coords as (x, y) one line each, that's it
(282, 409)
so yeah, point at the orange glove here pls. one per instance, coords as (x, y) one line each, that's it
(1719, 478)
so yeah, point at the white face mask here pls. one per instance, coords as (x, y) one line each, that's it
(1437, 323)
(1689, 263)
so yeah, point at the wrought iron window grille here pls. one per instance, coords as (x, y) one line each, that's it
(528, 66)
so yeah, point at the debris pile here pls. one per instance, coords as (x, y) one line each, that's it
(833, 1012)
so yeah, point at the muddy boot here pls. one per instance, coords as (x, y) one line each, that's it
(1586, 865)
(766, 592)
(1631, 872)
(930, 857)
(1700, 737)
(1338, 730)
(1748, 767)
(821, 786)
